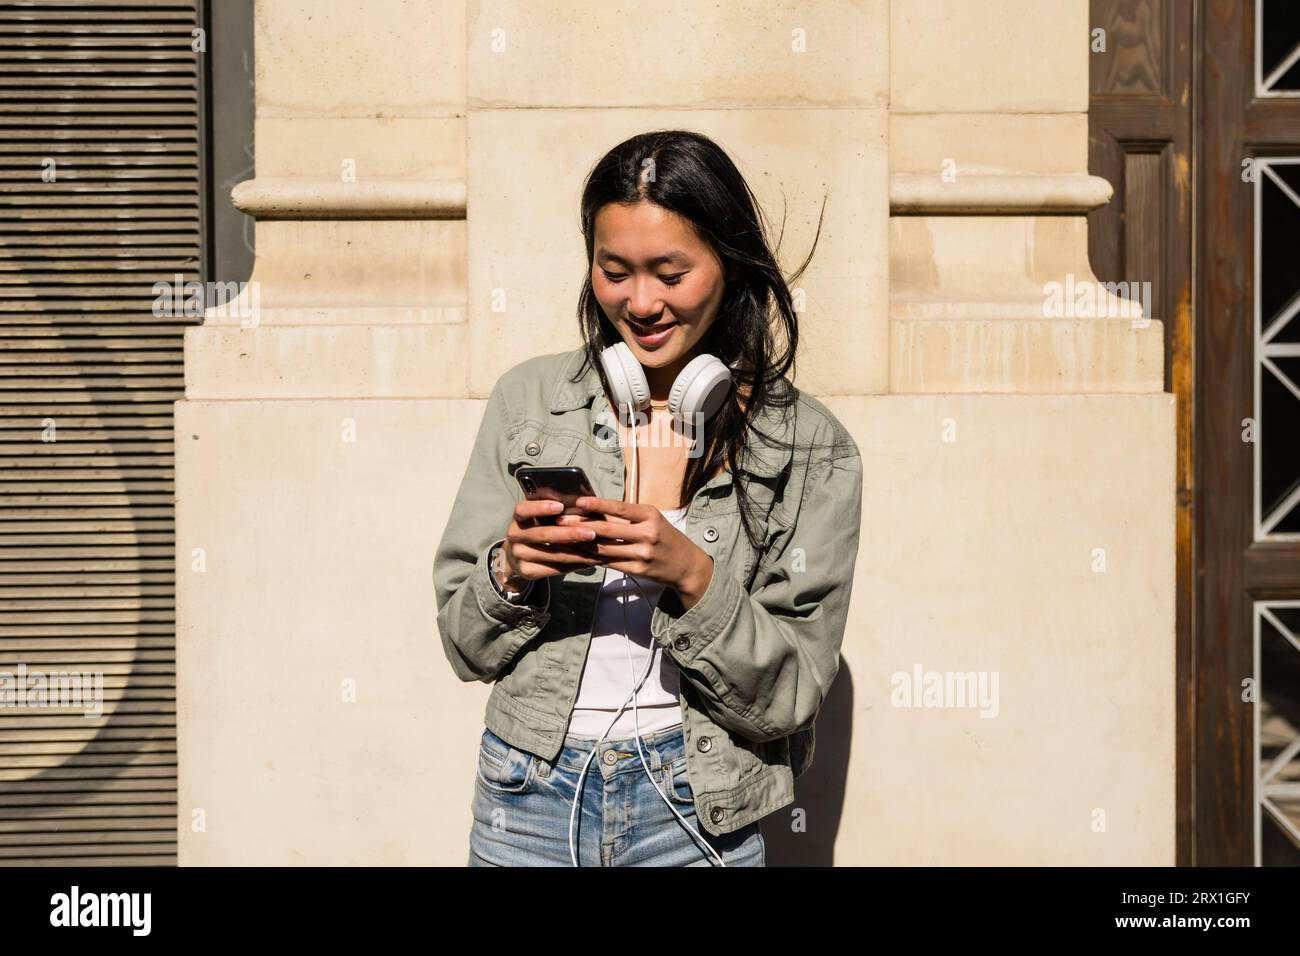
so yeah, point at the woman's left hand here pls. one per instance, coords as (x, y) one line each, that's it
(645, 543)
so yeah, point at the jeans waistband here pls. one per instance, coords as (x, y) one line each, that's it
(660, 747)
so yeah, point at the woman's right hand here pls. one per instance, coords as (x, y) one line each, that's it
(533, 550)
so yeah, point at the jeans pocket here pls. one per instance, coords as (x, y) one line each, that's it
(678, 784)
(503, 768)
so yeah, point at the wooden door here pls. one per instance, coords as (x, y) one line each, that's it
(1195, 119)
(1247, 731)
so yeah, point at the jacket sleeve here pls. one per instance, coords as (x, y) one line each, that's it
(763, 661)
(482, 631)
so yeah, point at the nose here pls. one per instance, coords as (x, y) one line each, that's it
(642, 305)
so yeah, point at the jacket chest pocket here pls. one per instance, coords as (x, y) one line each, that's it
(535, 447)
(721, 534)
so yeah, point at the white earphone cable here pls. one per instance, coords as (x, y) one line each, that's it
(636, 719)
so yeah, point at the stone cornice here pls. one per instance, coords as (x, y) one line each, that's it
(289, 198)
(928, 194)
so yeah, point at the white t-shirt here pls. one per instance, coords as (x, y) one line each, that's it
(606, 681)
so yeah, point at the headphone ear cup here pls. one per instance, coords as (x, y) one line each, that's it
(626, 379)
(700, 389)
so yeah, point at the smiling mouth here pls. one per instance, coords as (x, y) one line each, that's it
(651, 329)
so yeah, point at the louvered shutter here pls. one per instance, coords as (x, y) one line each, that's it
(110, 92)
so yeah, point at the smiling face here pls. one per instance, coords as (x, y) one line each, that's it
(658, 282)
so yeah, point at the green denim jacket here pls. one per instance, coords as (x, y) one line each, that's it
(757, 652)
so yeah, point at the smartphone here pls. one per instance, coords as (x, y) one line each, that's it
(567, 483)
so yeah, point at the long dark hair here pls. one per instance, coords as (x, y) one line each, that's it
(694, 178)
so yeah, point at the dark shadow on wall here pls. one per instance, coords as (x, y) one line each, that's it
(803, 833)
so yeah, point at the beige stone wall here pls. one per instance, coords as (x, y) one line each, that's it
(1019, 470)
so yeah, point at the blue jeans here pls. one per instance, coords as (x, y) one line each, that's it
(522, 806)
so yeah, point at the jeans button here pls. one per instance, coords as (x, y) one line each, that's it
(610, 757)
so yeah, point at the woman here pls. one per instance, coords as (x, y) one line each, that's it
(657, 661)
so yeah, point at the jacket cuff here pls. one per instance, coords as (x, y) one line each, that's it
(530, 616)
(520, 597)
(687, 632)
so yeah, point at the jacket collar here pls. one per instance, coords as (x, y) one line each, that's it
(767, 457)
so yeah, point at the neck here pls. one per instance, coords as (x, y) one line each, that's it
(661, 380)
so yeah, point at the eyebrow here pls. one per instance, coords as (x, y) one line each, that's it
(670, 256)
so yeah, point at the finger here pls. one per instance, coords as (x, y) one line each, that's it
(623, 509)
(554, 534)
(609, 530)
(562, 558)
(632, 552)
(538, 571)
(538, 508)
(572, 519)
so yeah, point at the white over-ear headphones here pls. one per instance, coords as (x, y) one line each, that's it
(698, 391)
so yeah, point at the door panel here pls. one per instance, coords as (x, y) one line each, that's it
(1248, 437)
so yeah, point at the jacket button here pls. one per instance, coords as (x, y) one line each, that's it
(710, 534)
(529, 620)
(532, 448)
(682, 643)
(705, 745)
(716, 814)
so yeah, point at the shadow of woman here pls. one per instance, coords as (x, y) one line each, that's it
(803, 833)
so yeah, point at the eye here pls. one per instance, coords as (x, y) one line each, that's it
(613, 276)
(672, 280)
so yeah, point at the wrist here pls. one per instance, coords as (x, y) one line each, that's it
(505, 578)
(513, 585)
(695, 582)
